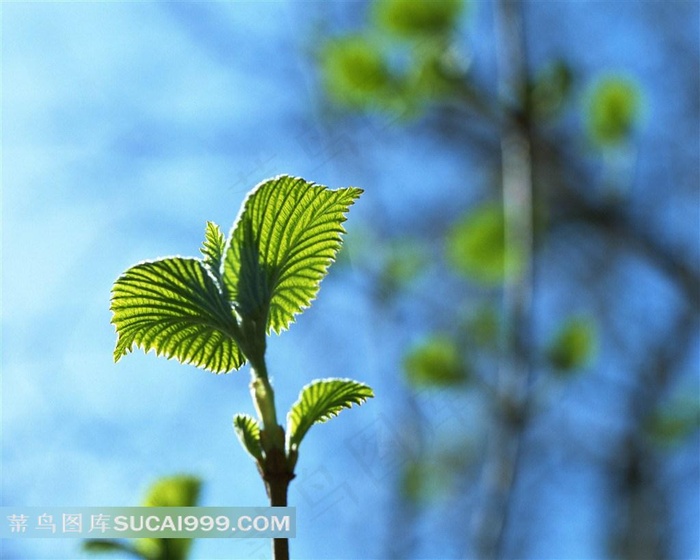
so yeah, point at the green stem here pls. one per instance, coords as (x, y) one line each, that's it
(276, 471)
(263, 397)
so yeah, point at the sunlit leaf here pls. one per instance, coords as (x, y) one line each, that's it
(174, 491)
(248, 432)
(281, 246)
(213, 247)
(613, 110)
(476, 247)
(436, 362)
(573, 346)
(418, 19)
(321, 400)
(174, 307)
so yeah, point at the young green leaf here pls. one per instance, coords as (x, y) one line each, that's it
(173, 491)
(287, 234)
(174, 306)
(248, 432)
(213, 247)
(320, 401)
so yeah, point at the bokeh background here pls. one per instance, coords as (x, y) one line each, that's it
(519, 283)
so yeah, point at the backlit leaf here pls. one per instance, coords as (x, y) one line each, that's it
(248, 432)
(320, 401)
(174, 307)
(285, 238)
(213, 247)
(173, 491)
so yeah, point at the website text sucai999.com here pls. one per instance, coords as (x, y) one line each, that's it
(155, 522)
(191, 523)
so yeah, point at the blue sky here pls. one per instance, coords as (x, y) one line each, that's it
(125, 127)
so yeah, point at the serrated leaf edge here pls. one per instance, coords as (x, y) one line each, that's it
(356, 400)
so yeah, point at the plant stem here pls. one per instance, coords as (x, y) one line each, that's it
(277, 485)
(276, 471)
(264, 398)
(514, 381)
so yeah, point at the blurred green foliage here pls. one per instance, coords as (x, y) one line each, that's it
(173, 491)
(550, 89)
(573, 345)
(426, 64)
(483, 327)
(476, 247)
(418, 19)
(674, 421)
(431, 478)
(356, 73)
(435, 362)
(613, 110)
(361, 72)
(404, 261)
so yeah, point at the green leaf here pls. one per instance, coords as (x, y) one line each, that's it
(417, 19)
(174, 491)
(213, 247)
(174, 307)
(436, 362)
(280, 248)
(613, 109)
(355, 72)
(573, 346)
(248, 432)
(321, 400)
(476, 247)
(102, 546)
